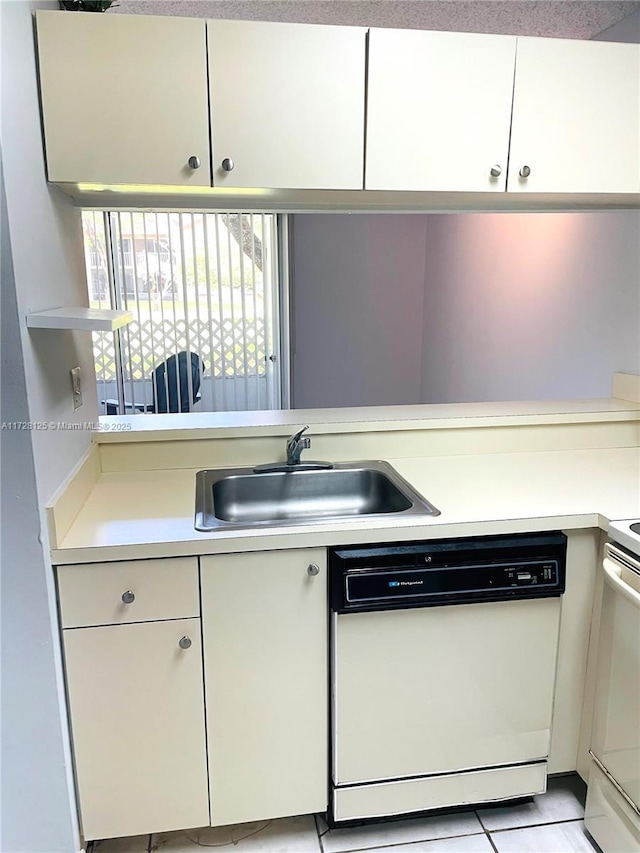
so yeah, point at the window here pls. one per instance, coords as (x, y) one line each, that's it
(203, 289)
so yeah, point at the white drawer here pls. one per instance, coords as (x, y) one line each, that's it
(131, 591)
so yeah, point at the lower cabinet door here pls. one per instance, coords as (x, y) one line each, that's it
(264, 621)
(137, 716)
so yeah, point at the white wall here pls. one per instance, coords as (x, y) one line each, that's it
(357, 309)
(530, 306)
(46, 239)
(36, 813)
(41, 230)
(515, 306)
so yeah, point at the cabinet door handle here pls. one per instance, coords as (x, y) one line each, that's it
(194, 162)
(496, 171)
(185, 643)
(228, 164)
(128, 597)
(524, 172)
(313, 570)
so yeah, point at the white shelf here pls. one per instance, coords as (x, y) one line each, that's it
(87, 319)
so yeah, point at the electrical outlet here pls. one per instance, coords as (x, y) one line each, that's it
(76, 385)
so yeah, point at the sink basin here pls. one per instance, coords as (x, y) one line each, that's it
(241, 498)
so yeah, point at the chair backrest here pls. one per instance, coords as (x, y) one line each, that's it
(171, 385)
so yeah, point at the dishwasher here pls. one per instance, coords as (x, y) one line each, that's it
(443, 663)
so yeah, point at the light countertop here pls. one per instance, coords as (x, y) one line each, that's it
(130, 515)
(203, 425)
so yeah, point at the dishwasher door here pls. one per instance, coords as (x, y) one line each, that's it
(442, 689)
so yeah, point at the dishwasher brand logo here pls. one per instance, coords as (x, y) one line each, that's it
(406, 583)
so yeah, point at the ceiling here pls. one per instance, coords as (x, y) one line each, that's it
(580, 19)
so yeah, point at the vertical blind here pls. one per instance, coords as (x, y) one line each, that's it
(203, 289)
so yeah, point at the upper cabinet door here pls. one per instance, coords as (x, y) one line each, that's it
(438, 110)
(287, 105)
(576, 117)
(124, 98)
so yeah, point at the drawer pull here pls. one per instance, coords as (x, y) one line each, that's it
(185, 643)
(128, 597)
(313, 570)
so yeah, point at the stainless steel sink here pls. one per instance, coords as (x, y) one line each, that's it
(232, 498)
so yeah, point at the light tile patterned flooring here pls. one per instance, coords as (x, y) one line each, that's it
(549, 823)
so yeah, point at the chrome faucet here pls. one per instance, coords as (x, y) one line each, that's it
(296, 443)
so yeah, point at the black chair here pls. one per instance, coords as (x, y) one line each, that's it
(170, 385)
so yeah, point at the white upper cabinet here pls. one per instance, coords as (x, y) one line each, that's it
(576, 117)
(124, 98)
(287, 105)
(438, 110)
(151, 101)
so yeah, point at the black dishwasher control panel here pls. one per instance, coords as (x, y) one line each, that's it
(447, 571)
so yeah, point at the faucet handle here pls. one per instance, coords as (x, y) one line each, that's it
(296, 439)
(296, 436)
(296, 444)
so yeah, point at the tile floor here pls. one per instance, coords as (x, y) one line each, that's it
(550, 823)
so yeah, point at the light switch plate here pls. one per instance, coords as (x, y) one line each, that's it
(76, 385)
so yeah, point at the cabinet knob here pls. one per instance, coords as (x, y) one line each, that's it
(524, 172)
(496, 171)
(313, 570)
(128, 597)
(194, 162)
(228, 164)
(185, 643)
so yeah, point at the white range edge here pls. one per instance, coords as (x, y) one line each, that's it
(620, 531)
